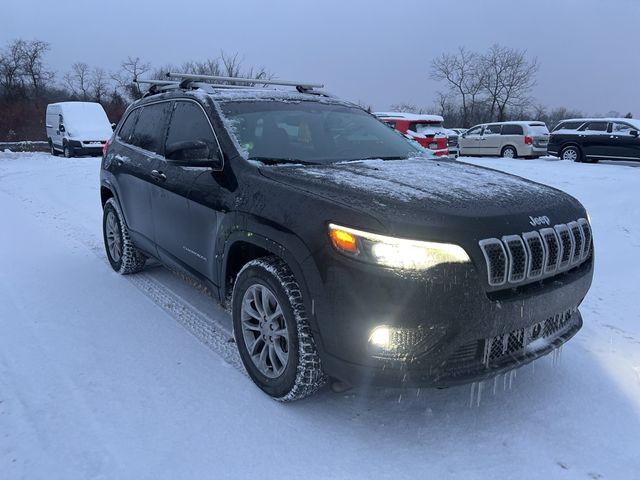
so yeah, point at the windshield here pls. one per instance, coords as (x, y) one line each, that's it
(313, 132)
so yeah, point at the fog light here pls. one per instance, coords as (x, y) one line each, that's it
(380, 337)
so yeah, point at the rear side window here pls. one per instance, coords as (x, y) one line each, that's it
(149, 130)
(126, 131)
(597, 126)
(512, 130)
(568, 126)
(189, 124)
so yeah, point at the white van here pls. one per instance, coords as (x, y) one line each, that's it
(506, 139)
(77, 128)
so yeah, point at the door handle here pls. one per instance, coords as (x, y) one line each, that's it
(158, 175)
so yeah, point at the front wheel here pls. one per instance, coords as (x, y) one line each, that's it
(68, 153)
(123, 256)
(272, 332)
(54, 152)
(571, 153)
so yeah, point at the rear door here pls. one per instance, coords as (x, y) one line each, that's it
(185, 231)
(470, 141)
(595, 138)
(140, 139)
(491, 140)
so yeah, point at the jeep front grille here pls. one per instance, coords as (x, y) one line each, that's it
(533, 255)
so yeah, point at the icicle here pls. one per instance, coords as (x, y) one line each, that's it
(495, 385)
(480, 387)
(473, 389)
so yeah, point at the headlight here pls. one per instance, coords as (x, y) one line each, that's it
(394, 252)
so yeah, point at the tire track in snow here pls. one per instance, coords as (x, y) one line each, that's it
(206, 328)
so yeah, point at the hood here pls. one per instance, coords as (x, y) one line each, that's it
(409, 195)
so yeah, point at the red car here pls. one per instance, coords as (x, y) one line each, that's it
(419, 128)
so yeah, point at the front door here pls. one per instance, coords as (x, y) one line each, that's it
(185, 231)
(470, 141)
(491, 139)
(624, 144)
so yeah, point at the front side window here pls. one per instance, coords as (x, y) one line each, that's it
(622, 128)
(312, 132)
(189, 124)
(474, 131)
(148, 132)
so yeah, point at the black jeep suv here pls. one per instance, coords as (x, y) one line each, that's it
(590, 140)
(343, 249)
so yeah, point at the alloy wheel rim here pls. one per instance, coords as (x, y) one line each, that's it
(570, 154)
(114, 238)
(264, 330)
(508, 153)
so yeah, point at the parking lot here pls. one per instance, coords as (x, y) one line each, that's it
(135, 377)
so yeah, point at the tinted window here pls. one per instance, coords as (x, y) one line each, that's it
(512, 130)
(622, 128)
(568, 126)
(149, 130)
(189, 124)
(126, 130)
(492, 129)
(597, 126)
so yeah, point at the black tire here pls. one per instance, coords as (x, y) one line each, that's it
(302, 376)
(67, 151)
(509, 148)
(54, 152)
(130, 259)
(571, 153)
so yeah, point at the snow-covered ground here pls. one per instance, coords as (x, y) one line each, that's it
(104, 376)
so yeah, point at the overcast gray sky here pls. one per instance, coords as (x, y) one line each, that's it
(374, 51)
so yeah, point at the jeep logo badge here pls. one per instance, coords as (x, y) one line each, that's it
(537, 221)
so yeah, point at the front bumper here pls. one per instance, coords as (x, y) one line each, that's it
(451, 314)
(81, 148)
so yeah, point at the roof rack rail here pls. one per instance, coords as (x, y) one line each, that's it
(300, 86)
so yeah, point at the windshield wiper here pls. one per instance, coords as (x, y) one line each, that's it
(276, 160)
(377, 157)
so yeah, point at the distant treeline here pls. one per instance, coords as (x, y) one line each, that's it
(28, 85)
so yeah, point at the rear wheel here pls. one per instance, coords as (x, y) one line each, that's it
(54, 152)
(509, 152)
(272, 332)
(123, 256)
(571, 153)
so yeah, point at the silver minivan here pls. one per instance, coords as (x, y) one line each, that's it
(506, 139)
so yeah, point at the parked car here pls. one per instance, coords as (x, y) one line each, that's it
(593, 139)
(427, 130)
(341, 248)
(506, 139)
(77, 128)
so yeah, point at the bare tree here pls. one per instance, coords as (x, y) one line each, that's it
(78, 81)
(11, 69)
(464, 77)
(508, 79)
(130, 69)
(99, 84)
(33, 65)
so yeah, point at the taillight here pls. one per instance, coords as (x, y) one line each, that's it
(104, 147)
(528, 140)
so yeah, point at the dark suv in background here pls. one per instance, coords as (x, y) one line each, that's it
(593, 139)
(343, 249)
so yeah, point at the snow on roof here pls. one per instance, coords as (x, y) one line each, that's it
(412, 117)
(631, 121)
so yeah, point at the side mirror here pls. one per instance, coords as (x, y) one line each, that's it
(193, 154)
(113, 126)
(633, 133)
(61, 128)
